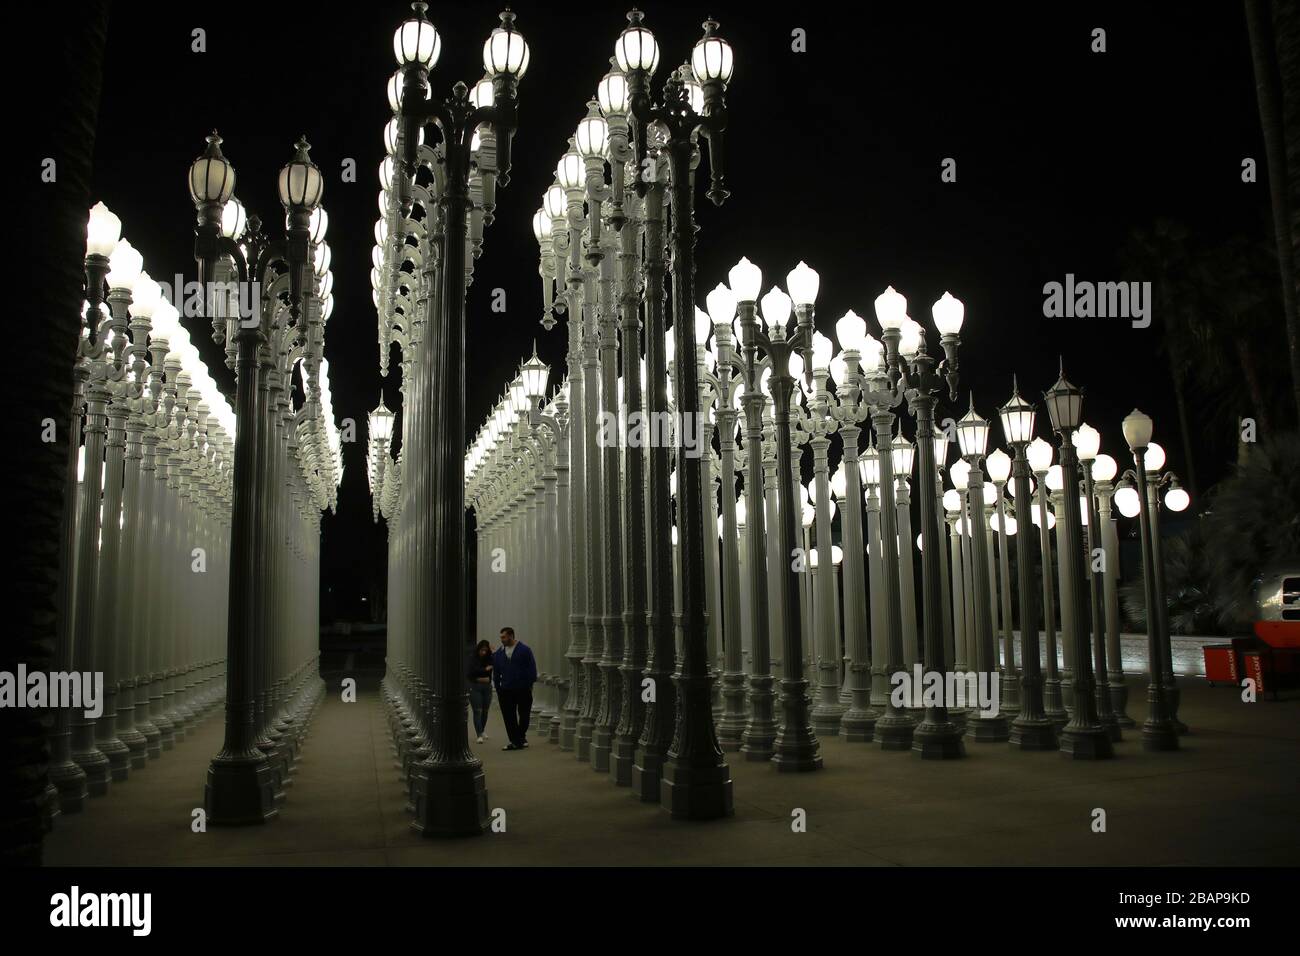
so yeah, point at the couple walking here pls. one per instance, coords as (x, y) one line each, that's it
(512, 670)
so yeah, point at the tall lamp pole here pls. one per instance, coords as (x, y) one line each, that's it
(1032, 729)
(1084, 738)
(241, 779)
(449, 787)
(695, 781)
(923, 377)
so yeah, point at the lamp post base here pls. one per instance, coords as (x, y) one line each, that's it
(1119, 698)
(1037, 733)
(568, 729)
(621, 761)
(896, 730)
(582, 738)
(796, 748)
(826, 718)
(240, 790)
(758, 741)
(731, 728)
(938, 741)
(1086, 743)
(1162, 735)
(450, 799)
(988, 730)
(647, 774)
(696, 793)
(858, 725)
(70, 781)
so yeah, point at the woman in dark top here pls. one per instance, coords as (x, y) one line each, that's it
(479, 674)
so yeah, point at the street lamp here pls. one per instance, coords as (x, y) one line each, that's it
(795, 748)
(1031, 729)
(922, 377)
(1083, 737)
(1158, 730)
(448, 786)
(972, 437)
(380, 422)
(241, 780)
(695, 781)
(999, 465)
(1087, 442)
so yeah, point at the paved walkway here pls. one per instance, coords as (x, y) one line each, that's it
(1228, 797)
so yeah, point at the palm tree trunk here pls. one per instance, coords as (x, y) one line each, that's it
(1286, 42)
(65, 122)
(1264, 54)
(1249, 372)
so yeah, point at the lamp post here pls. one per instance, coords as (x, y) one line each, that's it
(904, 452)
(241, 781)
(1087, 441)
(858, 722)
(973, 436)
(1158, 730)
(695, 781)
(1176, 499)
(1039, 455)
(999, 465)
(758, 736)
(936, 737)
(1083, 737)
(1032, 728)
(449, 788)
(1104, 470)
(721, 310)
(795, 747)
(380, 432)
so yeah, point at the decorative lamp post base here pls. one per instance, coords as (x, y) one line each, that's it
(1031, 734)
(1159, 736)
(622, 759)
(938, 741)
(450, 799)
(796, 753)
(1086, 743)
(826, 719)
(758, 742)
(1010, 692)
(988, 730)
(602, 743)
(240, 791)
(896, 731)
(119, 757)
(1119, 699)
(731, 728)
(647, 773)
(138, 746)
(96, 767)
(696, 793)
(582, 738)
(858, 726)
(70, 781)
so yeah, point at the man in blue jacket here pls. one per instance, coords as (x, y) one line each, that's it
(514, 672)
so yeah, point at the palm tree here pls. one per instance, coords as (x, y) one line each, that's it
(1160, 254)
(43, 392)
(1252, 520)
(1273, 45)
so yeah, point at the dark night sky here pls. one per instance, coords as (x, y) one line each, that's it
(833, 157)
